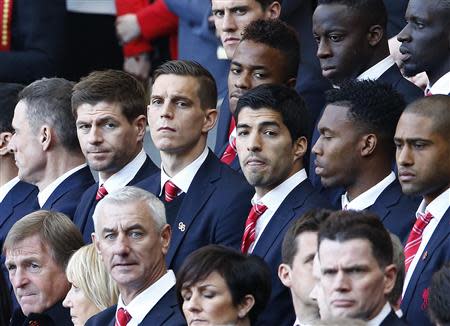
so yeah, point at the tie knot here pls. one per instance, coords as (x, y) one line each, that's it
(123, 317)
(425, 218)
(170, 191)
(259, 209)
(101, 192)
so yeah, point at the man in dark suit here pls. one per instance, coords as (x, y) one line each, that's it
(355, 150)
(422, 139)
(426, 43)
(132, 237)
(110, 111)
(271, 143)
(357, 270)
(45, 145)
(37, 250)
(206, 201)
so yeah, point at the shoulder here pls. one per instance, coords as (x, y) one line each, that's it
(103, 318)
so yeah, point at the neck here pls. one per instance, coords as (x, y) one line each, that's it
(306, 314)
(174, 162)
(368, 177)
(8, 169)
(61, 162)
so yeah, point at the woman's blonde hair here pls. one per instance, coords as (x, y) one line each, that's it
(87, 272)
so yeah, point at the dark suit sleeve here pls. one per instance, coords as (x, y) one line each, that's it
(37, 34)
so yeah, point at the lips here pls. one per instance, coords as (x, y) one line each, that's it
(328, 70)
(166, 128)
(342, 303)
(231, 39)
(406, 175)
(254, 162)
(406, 55)
(236, 94)
(318, 168)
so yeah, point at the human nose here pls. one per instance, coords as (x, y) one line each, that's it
(95, 135)
(121, 246)
(254, 143)
(228, 22)
(317, 148)
(193, 304)
(323, 49)
(67, 301)
(404, 35)
(243, 81)
(341, 282)
(19, 279)
(403, 156)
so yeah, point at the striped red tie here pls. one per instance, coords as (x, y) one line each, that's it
(250, 226)
(101, 192)
(170, 191)
(230, 153)
(415, 238)
(122, 317)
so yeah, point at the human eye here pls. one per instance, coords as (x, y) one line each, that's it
(156, 101)
(110, 125)
(336, 37)
(260, 75)
(83, 126)
(218, 13)
(328, 272)
(398, 144)
(235, 70)
(135, 234)
(317, 38)
(11, 267)
(209, 294)
(110, 236)
(419, 145)
(34, 267)
(242, 132)
(240, 11)
(182, 104)
(270, 133)
(186, 295)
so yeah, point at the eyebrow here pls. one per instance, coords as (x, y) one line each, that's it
(262, 124)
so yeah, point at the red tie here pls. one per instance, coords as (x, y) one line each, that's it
(230, 153)
(170, 191)
(101, 192)
(122, 317)
(415, 238)
(250, 225)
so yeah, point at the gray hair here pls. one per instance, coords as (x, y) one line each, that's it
(133, 194)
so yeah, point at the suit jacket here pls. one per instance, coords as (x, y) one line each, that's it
(56, 315)
(213, 210)
(393, 77)
(300, 200)
(435, 255)
(197, 39)
(165, 313)
(393, 320)
(37, 41)
(85, 209)
(66, 196)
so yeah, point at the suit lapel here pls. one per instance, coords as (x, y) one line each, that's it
(200, 190)
(16, 196)
(284, 215)
(147, 169)
(388, 198)
(163, 310)
(440, 234)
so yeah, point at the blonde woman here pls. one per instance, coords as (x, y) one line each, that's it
(92, 289)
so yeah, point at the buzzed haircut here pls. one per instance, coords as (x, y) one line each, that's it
(373, 12)
(342, 226)
(374, 107)
(207, 89)
(276, 34)
(9, 96)
(48, 102)
(282, 99)
(308, 222)
(436, 108)
(112, 87)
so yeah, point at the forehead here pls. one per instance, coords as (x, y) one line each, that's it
(425, 9)
(100, 109)
(29, 248)
(175, 85)
(413, 125)
(20, 111)
(229, 4)
(252, 117)
(252, 54)
(334, 117)
(335, 16)
(349, 252)
(306, 243)
(123, 216)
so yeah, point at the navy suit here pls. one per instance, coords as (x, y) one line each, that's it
(56, 315)
(85, 209)
(300, 200)
(213, 210)
(165, 313)
(393, 320)
(66, 196)
(435, 255)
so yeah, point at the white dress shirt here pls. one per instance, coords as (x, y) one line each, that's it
(273, 199)
(378, 69)
(441, 86)
(368, 197)
(183, 179)
(47, 191)
(7, 187)
(121, 178)
(378, 319)
(437, 208)
(141, 305)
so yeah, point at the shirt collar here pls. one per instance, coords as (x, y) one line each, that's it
(122, 177)
(378, 69)
(183, 179)
(7, 187)
(437, 207)
(381, 316)
(141, 305)
(368, 197)
(277, 195)
(45, 194)
(441, 86)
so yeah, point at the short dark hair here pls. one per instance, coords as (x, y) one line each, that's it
(348, 225)
(207, 89)
(278, 35)
(55, 230)
(436, 108)
(48, 101)
(242, 274)
(439, 300)
(9, 96)
(113, 87)
(373, 106)
(282, 99)
(373, 12)
(308, 222)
